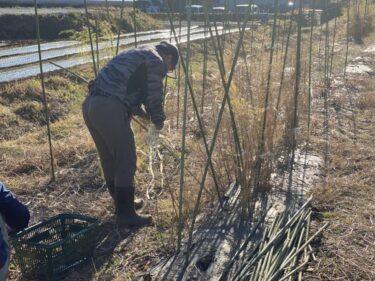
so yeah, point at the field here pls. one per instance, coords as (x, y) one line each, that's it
(295, 90)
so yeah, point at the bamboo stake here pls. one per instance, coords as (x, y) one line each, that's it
(294, 125)
(214, 138)
(333, 47)
(219, 59)
(274, 240)
(217, 37)
(90, 37)
(261, 146)
(242, 247)
(310, 95)
(97, 43)
(108, 17)
(299, 250)
(183, 145)
(70, 72)
(248, 74)
(283, 68)
(326, 85)
(179, 76)
(306, 256)
(347, 38)
(135, 25)
(196, 110)
(205, 58)
(46, 111)
(294, 270)
(119, 27)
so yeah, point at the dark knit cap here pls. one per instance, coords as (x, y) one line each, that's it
(169, 49)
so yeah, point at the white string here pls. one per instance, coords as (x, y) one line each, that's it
(153, 154)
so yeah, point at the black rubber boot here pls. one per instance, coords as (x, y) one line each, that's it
(126, 215)
(138, 203)
(111, 188)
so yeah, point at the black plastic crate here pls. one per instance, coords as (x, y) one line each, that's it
(52, 248)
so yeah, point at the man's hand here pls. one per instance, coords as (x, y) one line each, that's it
(159, 126)
(141, 113)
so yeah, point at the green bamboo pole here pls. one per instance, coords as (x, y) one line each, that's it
(300, 239)
(70, 72)
(135, 25)
(196, 109)
(46, 111)
(310, 94)
(300, 249)
(259, 161)
(320, 46)
(366, 9)
(297, 85)
(108, 17)
(107, 8)
(286, 250)
(283, 40)
(333, 47)
(183, 145)
(294, 270)
(326, 86)
(278, 36)
(224, 22)
(213, 142)
(179, 74)
(217, 37)
(205, 58)
(90, 37)
(306, 254)
(119, 27)
(283, 70)
(248, 75)
(242, 247)
(347, 38)
(326, 53)
(97, 43)
(273, 241)
(219, 59)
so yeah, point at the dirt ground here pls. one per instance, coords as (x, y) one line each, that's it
(343, 134)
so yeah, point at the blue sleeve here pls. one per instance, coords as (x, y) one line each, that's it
(16, 215)
(4, 251)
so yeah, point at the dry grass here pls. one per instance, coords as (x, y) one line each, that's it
(345, 199)
(124, 254)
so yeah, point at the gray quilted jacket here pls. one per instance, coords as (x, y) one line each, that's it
(136, 78)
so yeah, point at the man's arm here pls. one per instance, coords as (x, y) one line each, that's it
(154, 99)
